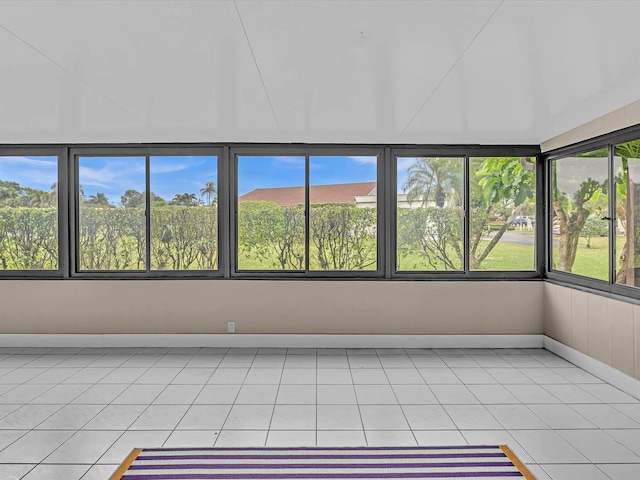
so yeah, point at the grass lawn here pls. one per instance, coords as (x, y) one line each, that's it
(593, 262)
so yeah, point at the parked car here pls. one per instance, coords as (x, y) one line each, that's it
(523, 221)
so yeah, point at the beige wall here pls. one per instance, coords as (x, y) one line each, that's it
(320, 307)
(603, 328)
(623, 117)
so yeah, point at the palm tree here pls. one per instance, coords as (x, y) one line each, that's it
(99, 200)
(209, 191)
(434, 179)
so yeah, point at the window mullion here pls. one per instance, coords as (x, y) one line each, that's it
(147, 214)
(307, 213)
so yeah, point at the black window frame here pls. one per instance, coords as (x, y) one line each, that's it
(63, 239)
(147, 152)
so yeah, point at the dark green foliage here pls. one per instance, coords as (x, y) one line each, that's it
(28, 238)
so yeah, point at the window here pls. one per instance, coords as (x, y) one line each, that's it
(184, 212)
(112, 235)
(430, 213)
(502, 209)
(580, 227)
(626, 167)
(307, 213)
(28, 212)
(115, 234)
(343, 214)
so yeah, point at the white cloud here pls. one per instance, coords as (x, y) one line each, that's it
(113, 173)
(365, 160)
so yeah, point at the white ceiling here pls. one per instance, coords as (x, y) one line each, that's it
(471, 71)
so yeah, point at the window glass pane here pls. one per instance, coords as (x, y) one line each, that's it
(28, 213)
(343, 213)
(184, 212)
(580, 201)
(271, 213)
(502, 213)
(111, 232)
(626, 163)
(430, 214)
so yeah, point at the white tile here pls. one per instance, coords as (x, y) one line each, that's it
(191, 438)
(490, 361)
(28, 416)
(582, 472)
(428, 361)
(170, 360)
(218, 394)
(123, 375)
(35, 446)
(560, 416)
(249, 417)
(414, 394)
(236, 361)
(257, 394)
(89, 375)
(369, 376)
(242, 438)
(178, 395)
(429, 438)
(7, 437)
(24, 393)
(231, 376)
(390, 437)
(383, 417)
(61, 394)
(521, 361)
(204, 361)
(338, 417)
(159, 417)
(204, 417)
(428, 417)
(453, 394)
(472, 417)
(294, 417)
(337, 394)
(142, 361)
(100, 472)
(14, 471)
(510, 376)
(341, 438)
(493, 394)
(56, 472)
(599, 447)
(470, 376)
(577, 375)
(300, 361)
(85, 447)
(516, 417)
(621, 472)
(291, 438)
(158, 376)
(543, 375)
(193, 376)
(496, 437)
(570, 394)
(115, 417)
(298, 376)
(531, 394)
(375, 395)
(130, 440)
(396, 361)
(263, 376)
(364, 361)
(609, 394)
(332, 361)
(139, 394)
(268, 361)
(628, 438)
(297, 394)
(459, 360)
(71, 417)
(439, 376)
(605, 416)
(630, 410)
(334, 376)
(52, 376)
(546, 446)
(404, 376)
(100, 394)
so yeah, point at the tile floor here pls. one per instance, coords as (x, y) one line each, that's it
(76, 413)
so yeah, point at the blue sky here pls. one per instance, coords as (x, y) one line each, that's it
(171, 175)
(288, 171)
(34, 172)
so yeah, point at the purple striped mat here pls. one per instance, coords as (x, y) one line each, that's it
(480, 462)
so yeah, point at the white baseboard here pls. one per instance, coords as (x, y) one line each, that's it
(595, 367)
(266, 340)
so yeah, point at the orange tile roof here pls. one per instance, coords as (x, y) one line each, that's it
(286, 196)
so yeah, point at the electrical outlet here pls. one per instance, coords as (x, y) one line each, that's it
(231, 327)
